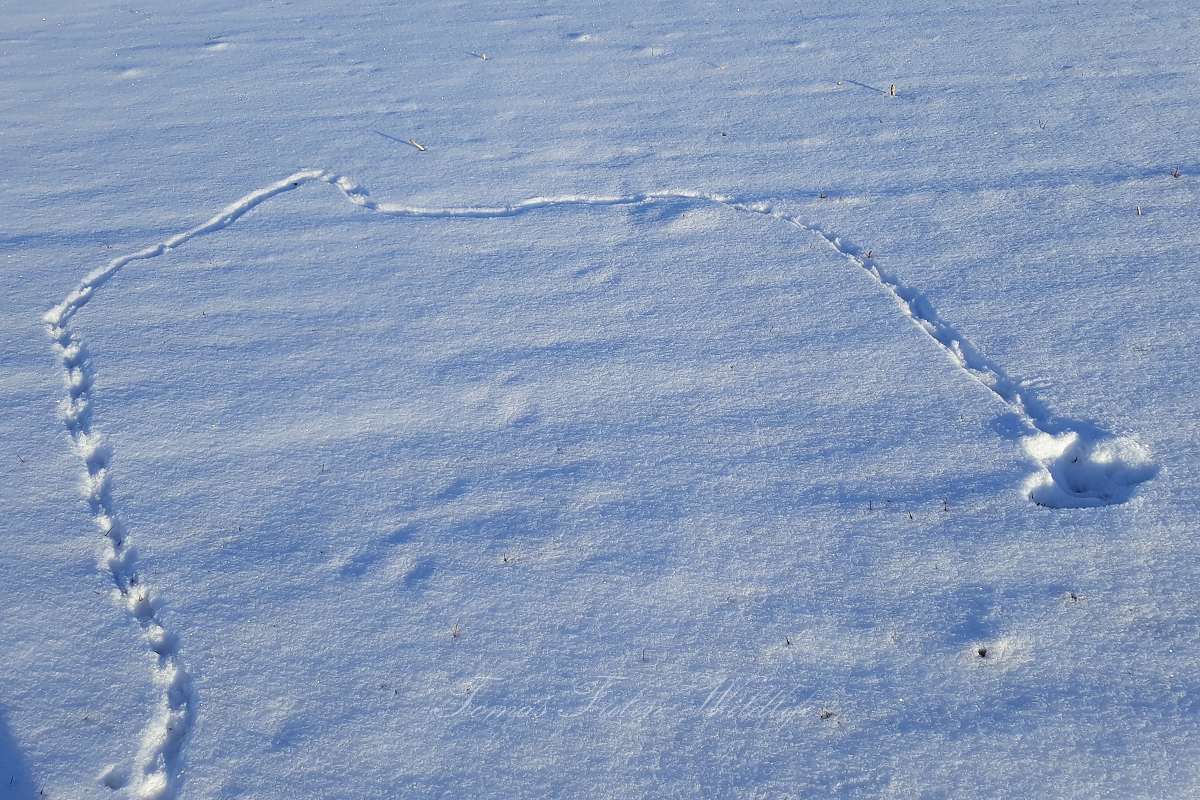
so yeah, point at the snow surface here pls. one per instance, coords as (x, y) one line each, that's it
(599, 400)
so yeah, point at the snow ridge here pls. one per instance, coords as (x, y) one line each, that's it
(1079, 465)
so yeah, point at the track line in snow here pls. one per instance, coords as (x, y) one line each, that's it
(163, 737)
(155, 768)
(1079, 465)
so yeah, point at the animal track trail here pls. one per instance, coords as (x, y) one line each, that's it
(163, 738)
(1079, 465)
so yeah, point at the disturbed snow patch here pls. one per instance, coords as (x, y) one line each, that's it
(1082, 472)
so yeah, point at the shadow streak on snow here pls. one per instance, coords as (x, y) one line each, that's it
(16, 781)
(1046, 180)
(861, 85)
